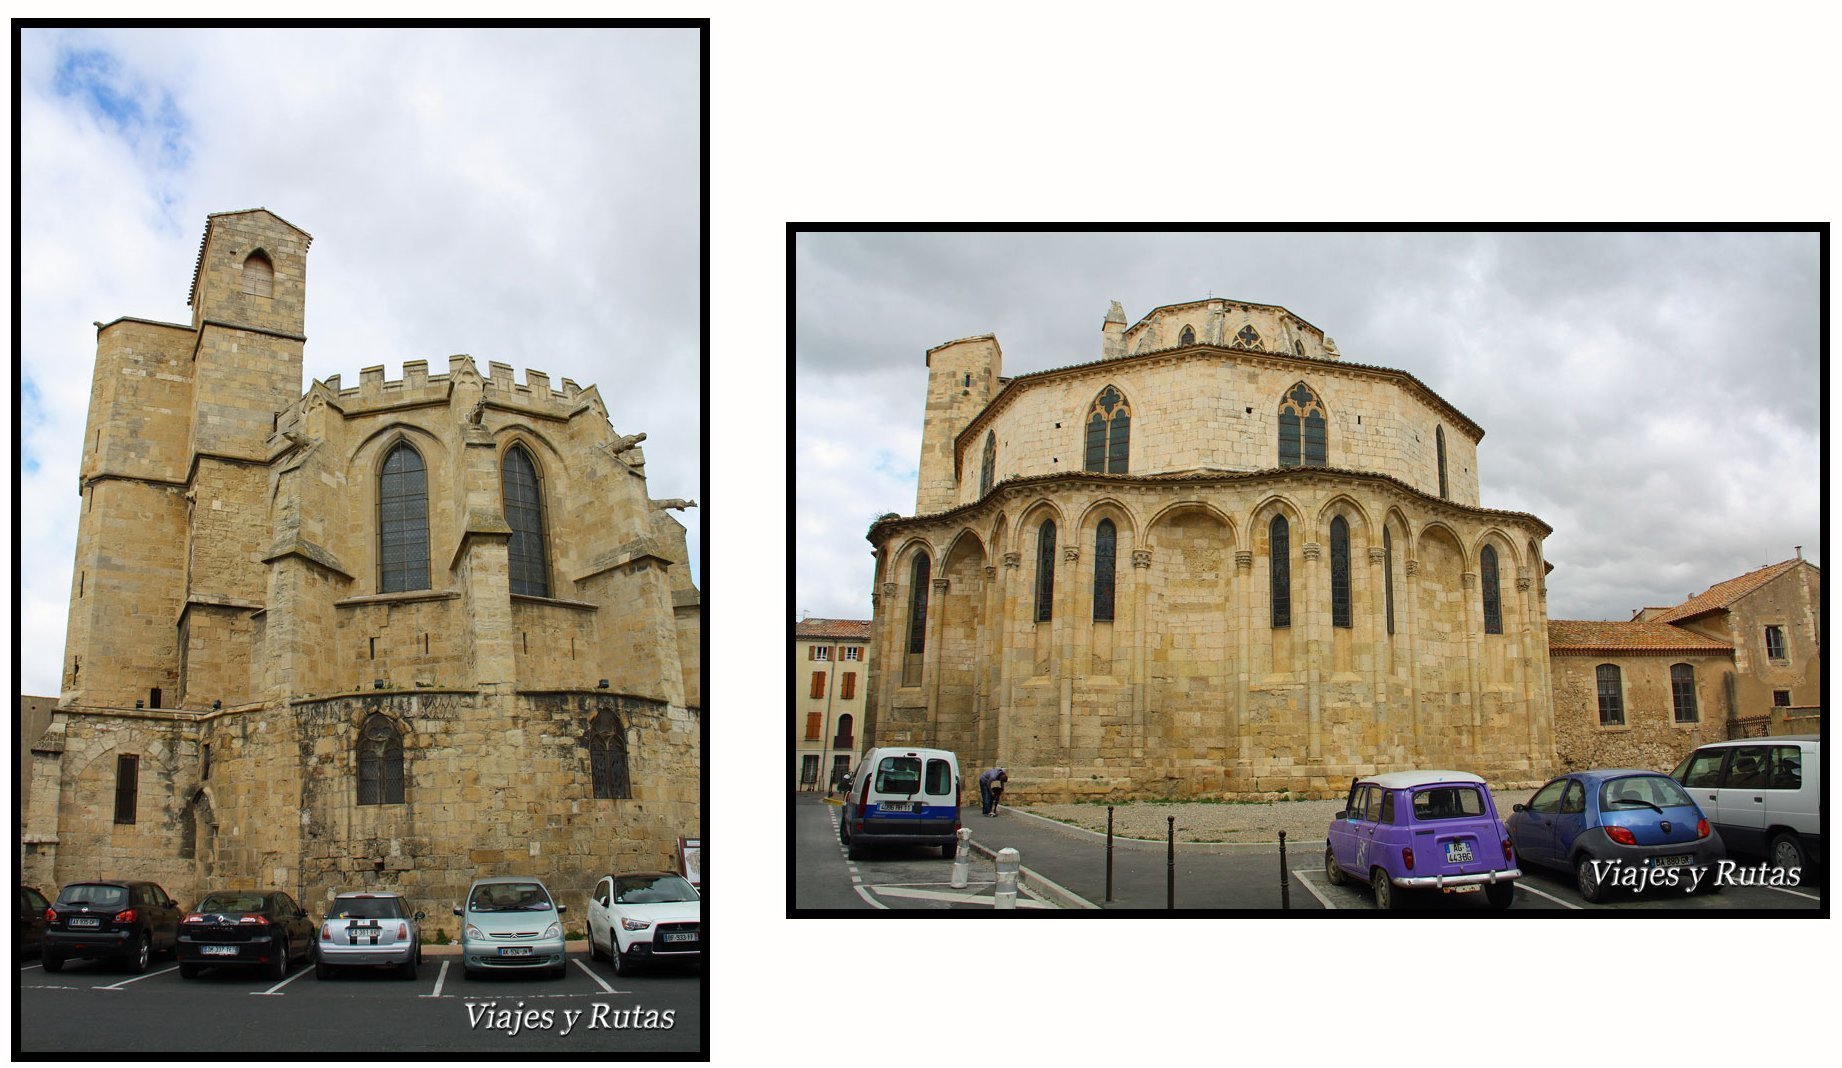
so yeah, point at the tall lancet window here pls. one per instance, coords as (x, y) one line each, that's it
(1109, 430)
(1339, 573)
(1388, 575)
(989, 467)
(917, 605)
(1188, 337)
(1493, 602)
(1280, 559)
(1303, 429)
(524, 511)
(403, 522)
(1045, 571)
(1105, 540)
(380, 762)
(1439, 442)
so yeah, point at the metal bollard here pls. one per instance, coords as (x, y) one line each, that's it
(1005, 896)
(1170, 866)
(961, 858)
(1109, 852)
(1285, 884)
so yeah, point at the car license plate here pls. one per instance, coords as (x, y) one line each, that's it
(898, 806)
(1679, 861)
(1458, 852)
(219, 951)
(82, 922)
(514, 951)
(358, 931)
(681, 936)
(1468, 888)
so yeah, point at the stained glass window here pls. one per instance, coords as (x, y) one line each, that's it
(1303, 429)
(1388, 575)
(1248, 338)
(1109, 431)
(524, 511)
(917, 605)
(1188, 337)
(990, 465)
(1280, 558)
(1493, 603)
(1339, 573)
(1045, 571)
(380, 762)
(403, 522)
(1439, 440)
(1105, 539)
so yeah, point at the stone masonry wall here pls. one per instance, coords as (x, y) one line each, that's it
(1650, 737)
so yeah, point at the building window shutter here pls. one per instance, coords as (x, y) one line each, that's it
(850, 686)
(818, 684)
(812, 725)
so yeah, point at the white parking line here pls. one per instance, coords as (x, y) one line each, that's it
(1300, 875)
(864, 892)
(136, 979)
(271, 991)
(598, 980)
(1795, 893)
(439, 979)
(1522, 884)
(29, 967)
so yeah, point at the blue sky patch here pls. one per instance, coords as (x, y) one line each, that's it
(144, 115)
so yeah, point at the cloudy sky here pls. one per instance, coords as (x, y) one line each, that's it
(524, 196)
(1653, 397)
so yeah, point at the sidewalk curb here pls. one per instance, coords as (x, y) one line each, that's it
(1049, 888)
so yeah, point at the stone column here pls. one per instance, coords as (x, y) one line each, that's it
(1064, 669)
(1377, 626)
(1240, 615)
(1408, 607)
(1008, 624)
(1534, 667)
(1313, 617)
(930, 660)
(1141, 627)
(886, 660)
(987, 654)
(1474, 643)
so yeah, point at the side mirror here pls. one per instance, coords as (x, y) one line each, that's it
(421, 915)
(562, 908)
(1515, 808)
(1342, 814)
(457, 910)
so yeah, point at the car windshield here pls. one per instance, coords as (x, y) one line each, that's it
(898, 775)
(1447, 803)
(367, 908)
(231, 901)
(89, 894)
(651, 889)
(1641, 791)
(509, 897)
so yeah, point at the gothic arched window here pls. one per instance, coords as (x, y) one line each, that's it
(258, 275)
(1188, 337)
(990, 465)
(1045, 571)
(1439, 441)
(1109, 430)
(917, 605)
(1493, 602)
(1248, 338)
(1281, 566)
(1298, 347)
(1105, 540)
(1339, 573)
(524, 511)
(1303, 429)
(380, 762)
(402, 522)
(1388, 575)
(607, 756)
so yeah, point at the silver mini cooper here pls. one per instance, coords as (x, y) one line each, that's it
(366, 928)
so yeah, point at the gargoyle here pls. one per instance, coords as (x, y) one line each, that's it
(625, 443)
(676, 502)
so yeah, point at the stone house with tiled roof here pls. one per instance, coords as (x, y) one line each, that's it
(1742, 657)
(1220, 560)
(831, 663)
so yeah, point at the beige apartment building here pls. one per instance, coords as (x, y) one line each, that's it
(831, 661)
(395, 634)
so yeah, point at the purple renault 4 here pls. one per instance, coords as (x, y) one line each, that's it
(1421, 830)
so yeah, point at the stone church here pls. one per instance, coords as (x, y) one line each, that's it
(1221, 560)
(399, 634)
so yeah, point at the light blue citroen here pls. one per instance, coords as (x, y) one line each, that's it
(511, 922)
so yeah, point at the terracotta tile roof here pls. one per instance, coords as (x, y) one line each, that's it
(1722, 594)
(1578, 636)
(846, 629)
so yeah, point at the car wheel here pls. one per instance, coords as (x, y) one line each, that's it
(322, 970)
(278, 959)
(1500, 895)
(950, 850)
(853, 850)
(1385, 899)
(51, 961)
(190, 971)
(1788, 852)
(594, 950)
(407, 969)
(141, 954)
(1331, 870)
(1587, 881)
(623, 964)
(469, 973)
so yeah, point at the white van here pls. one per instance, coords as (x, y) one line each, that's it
(902, 795)
(1761, 794)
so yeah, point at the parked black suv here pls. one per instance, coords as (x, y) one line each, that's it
(123, 920)
(251, 927)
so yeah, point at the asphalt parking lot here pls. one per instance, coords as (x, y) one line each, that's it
(93, 1006)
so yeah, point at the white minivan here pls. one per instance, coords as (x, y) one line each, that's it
(1761, 794)
(903, 796)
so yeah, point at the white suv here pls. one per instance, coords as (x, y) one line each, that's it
(1761, 794)
(645, 916)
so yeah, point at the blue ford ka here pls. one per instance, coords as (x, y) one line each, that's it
(1618, 828)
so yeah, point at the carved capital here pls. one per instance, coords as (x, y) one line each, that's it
(1312, 550)
(1141, 558)
(889, 590)
(1413, 568)
(1469, 579)
(1243, 559)
(940, 584)
(1013, 560)
(991, 573)
(1376, 556)
(1523, 584)
(1071, 553)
